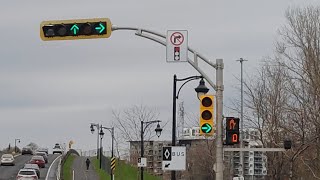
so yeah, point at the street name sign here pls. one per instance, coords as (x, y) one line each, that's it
(142, 162)
(174, 158)
(177, 46)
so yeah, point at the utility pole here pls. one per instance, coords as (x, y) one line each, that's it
(241, 121)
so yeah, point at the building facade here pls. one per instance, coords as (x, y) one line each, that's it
(153, 153)
(255, 162)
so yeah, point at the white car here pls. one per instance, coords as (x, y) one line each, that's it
(57, 149)
(7, 159)
(27, 174)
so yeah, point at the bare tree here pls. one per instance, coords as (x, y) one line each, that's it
(128, 124)
(284, 100)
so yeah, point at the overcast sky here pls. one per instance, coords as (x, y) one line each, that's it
(51, 91)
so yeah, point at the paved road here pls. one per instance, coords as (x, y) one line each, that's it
(80, 169)
(10, 172)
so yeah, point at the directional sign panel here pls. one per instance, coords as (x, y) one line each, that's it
(142, 162)
(174, 158)
(177, 46)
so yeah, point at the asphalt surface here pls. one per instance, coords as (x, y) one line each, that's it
(80, 169)
(10, 172)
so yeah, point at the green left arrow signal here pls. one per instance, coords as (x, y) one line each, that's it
(75, 29)
(100, 28)
(206, 128)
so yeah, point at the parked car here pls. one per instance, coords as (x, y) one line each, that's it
(7, 159)
(43, 150)
(57, 149)
(27, 150)
(33, 166)
(38, 160)
(43, 154)
(27, 174)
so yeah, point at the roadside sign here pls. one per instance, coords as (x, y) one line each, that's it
(177, 46)
(174, 158)
(142, 162)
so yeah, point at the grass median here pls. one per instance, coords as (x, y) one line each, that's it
(67, 170)
(123, 172)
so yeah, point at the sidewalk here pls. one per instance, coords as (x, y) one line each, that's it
(80, 169)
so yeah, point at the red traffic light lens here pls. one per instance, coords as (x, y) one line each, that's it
(206, 102)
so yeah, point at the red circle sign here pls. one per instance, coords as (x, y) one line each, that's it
(177, 38)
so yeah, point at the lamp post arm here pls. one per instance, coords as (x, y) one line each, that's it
(191, 78)
(147, 123)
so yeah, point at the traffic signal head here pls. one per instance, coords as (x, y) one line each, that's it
(232, 130)
(206, 115)
(75, 29)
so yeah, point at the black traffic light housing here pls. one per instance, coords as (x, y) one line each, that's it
(75, 29)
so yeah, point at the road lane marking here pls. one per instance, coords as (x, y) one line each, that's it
(51, 166)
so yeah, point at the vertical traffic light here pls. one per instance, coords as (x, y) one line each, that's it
(232, 130)
(75, 29)
(206, 115)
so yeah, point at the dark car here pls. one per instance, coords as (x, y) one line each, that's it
(38, 160)
(27, 150)
(43, 154)
(33, 166)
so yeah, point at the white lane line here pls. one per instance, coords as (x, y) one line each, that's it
(72, 174)
(51, 166)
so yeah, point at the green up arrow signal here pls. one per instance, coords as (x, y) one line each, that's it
(206, 128)
(100, 28)
(75, 29)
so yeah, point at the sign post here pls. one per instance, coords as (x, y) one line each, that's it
(174, 158)
(177, 46)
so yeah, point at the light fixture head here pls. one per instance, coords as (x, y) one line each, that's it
(201, 89)
(158, 130)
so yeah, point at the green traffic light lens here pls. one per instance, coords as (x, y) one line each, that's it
(206, 128)
(206, 102)
(206, 115)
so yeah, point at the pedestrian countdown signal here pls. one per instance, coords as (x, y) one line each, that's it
(75, 29)
(232, 130)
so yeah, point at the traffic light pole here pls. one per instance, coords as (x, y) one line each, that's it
(218, 87)
(219, 118)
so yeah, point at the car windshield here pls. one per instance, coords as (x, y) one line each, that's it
(7, 156)
(37, 158)
(56, 146)
(27, 173)
(31, 166)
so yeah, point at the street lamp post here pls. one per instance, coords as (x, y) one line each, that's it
(101, 133)
(15, 144)
(92, 130)
(201, 89)
(158, 133)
